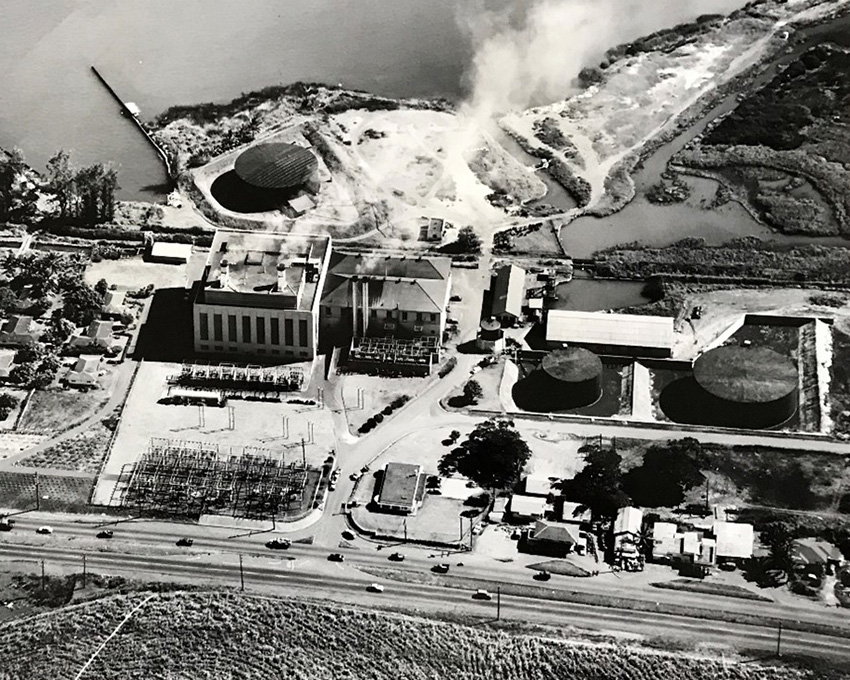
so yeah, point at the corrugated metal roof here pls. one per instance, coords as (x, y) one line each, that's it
(508, 291)
(556, 531)
(630, 330)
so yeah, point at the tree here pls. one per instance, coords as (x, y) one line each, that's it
(468, 241)
(666, 474)
(472, 392)
(779, 538)
(493, 456)
(82, 304)
(8, 301)
(22, 374)
(101, 287)
(598, 485)
(95, 188)
(18, 194)
(61, 182)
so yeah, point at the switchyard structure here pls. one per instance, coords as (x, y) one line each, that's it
(393, 356)
(233, 378)
(192, 478)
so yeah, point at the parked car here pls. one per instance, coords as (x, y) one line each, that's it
(336, 557)
(364, 469)
(375, 588)
(542, 576)
(44, 530)
(727, 565)
(348, 535)
(106, 533)
(279, 544)
(331, 486)
(397, 557)
(440, 568)
(482, 594)
(355, 476)
(186, 542)
(456, 298)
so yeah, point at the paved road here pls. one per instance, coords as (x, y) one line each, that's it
(316, 578)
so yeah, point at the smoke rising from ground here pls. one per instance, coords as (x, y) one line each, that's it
(530, 55)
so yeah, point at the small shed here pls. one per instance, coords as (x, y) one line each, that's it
(508, 293)
(538, 485)
(113, 303)
(556, 539)
(170, 253)
(572, 513)
(301, 205)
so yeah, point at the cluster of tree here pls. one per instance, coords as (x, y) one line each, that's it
(35, 366)
(85, 195)
(549, 132)
(493, 456)
(667, 473)
(18, 195)
(741, 259)
(467, 242)
(7, 403)
(472, 392)
(388, 410)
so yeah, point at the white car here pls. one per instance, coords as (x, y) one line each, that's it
(44, 530)
(376, 588)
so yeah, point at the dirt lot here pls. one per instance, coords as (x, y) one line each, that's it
(257, 424)
(83, 452)
(54, 412)
(134, 273)
(378, 392)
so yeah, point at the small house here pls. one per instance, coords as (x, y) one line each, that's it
(734, 540)
(19, 331)
(113, 304)
(575, 513)
(555, 539)
(84, 373)
(97, 337)
(401, 488)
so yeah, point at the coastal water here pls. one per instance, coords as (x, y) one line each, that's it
(159, 52)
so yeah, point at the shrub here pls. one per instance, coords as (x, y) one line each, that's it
(378, 417)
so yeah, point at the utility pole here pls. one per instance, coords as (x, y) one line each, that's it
(84, 571)
(460, 535)
(498, 602)
(405, 529)
(241, 573)
(42, 577)
(37, 493)
(779, 640)
(707, 504)
(303, 453)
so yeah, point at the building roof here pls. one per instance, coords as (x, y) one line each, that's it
(302, 203)
(665, 538)
(113, 302)
(816, 551)
(733, 539)
(596, 328)
(508, 291)
(537, 485)
(84, 371)
(571, 513)
(253, 268)
(276, 165)
(171, 251)
(558, 532)
(7, 359)
(17, 325)
(752, 375)
(402, 485)
(19, 330)
(528, 506)
(628, 521)
(390, 267)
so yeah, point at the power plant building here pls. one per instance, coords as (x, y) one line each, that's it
(259, 295)
(383, 296)
(613, 334)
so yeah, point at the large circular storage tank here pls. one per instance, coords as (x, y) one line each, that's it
(750, 387)
(569, 378)
(277, 166)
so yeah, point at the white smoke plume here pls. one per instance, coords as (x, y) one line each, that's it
(529, 53)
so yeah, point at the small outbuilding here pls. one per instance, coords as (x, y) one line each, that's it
(113, 304)
(508, 293)
(524, 508)
(170, 253)
(538, 485)
(301, 205)
(491, 337)
(555, 539)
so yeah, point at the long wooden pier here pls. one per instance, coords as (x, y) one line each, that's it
(133, 117)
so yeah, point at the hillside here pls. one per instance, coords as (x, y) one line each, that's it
(216, 635)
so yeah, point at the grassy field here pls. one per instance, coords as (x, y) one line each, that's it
(201, 635)
(57, 411)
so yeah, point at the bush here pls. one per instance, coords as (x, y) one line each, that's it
(378, 417)
(8, 401)
(387, 410)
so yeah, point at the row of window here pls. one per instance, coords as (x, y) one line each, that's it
(287, 352)
(393, 314)
(257, 330)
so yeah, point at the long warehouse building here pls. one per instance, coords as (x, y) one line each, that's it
(617, 334)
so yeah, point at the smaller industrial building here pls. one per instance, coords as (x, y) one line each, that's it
(612, 334)
(538, 485)
(401, 489)
(508, 293)
(702, 545)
